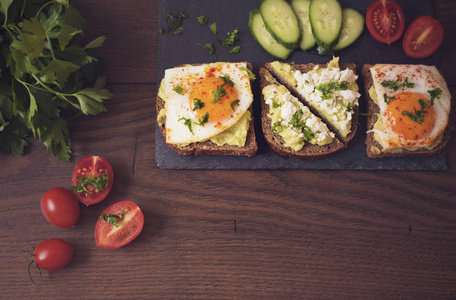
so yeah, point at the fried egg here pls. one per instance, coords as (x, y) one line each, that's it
(205, 100)
(414, 103)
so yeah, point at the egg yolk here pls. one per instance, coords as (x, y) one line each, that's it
(418, 126)
(213, 96)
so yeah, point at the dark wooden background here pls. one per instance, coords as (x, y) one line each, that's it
(240, 234)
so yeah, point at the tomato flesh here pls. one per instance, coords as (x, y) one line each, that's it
(385, 21)
(423, 37)
(60, 207)
(95, 166)
(53, 254)
(107, 235)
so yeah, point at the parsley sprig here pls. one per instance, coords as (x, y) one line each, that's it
(395, 85)
(327, 89)
(418, 115)
(296, 121)
(47, 74)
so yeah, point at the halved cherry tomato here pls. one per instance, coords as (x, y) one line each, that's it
(119, 224)
(60, 207)
(385, 21)
(92, 179)
(423, 37)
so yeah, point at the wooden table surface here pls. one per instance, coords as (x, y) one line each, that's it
(240, 234)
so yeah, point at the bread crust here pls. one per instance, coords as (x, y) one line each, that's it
(373, 110)
(276, 142)
(207, 147)
(304, 68)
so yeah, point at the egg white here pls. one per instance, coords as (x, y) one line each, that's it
(426, 78)
(178, 105)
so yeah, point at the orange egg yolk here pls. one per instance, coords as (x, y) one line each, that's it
(406, 126)
(214, 96)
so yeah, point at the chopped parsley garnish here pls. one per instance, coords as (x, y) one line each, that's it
(178, 89)
(210, 48)
(188, 123)
(236, 49)
(251, 75)
(395, 85)
(276, 105)
(202, 20)
(100, 183)
(295, 121)
(230, 40)
(277, 127)
(204, 119)
(387, 98)
(327, 89)
(235, 103)
(112, 219)
(227, 80)
(435, 93)
(219, 93)
(418, 115)
(213, 27)
(197, 104)
(175, 23)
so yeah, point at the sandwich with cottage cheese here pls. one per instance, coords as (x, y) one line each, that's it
(329, 90)
(308, 109)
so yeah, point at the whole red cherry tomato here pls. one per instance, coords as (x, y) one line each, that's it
(60, 207)
(92, 179)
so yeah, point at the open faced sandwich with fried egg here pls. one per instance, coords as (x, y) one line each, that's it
(206, 109)
(409, 110)
(308, 109)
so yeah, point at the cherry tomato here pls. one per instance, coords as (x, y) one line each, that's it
(119, 224)
(423, 37)
(385, 21)
(53, 254)
(60, 207)
(92, 179)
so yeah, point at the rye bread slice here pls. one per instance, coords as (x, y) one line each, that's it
(304, 68)
(276, 142)
(250, 147)
(373, 148)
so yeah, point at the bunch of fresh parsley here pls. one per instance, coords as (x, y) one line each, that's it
(47, 75)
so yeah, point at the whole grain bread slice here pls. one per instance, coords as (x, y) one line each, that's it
(250, 147)
(276, 142)
(304, 68)
(373, 148)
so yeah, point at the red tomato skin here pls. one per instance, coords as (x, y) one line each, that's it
(418, 26)
(126, 232)
(92, 164)
(387, 7)
(53, 254)
(60, 207)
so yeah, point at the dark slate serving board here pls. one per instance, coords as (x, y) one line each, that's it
(234, 14)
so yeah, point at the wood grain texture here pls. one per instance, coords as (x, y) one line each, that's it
(245, 234)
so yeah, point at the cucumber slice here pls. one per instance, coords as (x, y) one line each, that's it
(352, 27)
(264, 38)
(281, 22)
(301, 9)
(326, 20)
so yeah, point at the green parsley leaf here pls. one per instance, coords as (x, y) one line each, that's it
(213, 28)
(327, 89)
(219, 93)
(202, 20)
(230, 40)
(277, 127)
(227, 80)
(197, 104)
(387, 99)
(435, 94)
(251, 75)
(395, 85)
(178, 89)
(236, 49)
(99, 183)
(235, 103)
(112, 219)
(188, 123)
(296, 122)
(210, 48)
(204, 119)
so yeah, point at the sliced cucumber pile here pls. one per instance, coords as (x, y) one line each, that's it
(279, 26)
